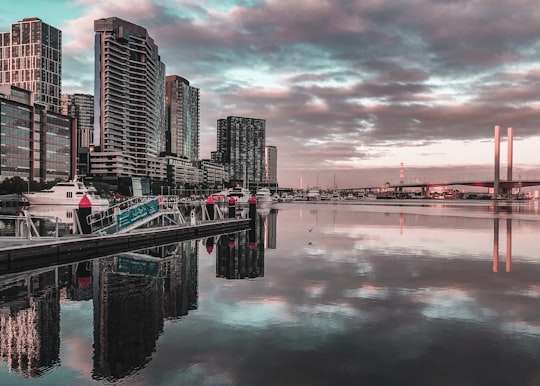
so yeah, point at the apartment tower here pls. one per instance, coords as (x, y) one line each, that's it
(129, 97)
(270, 161)
(182, 106)
(81, 107)
(241, 146)
(31, 59)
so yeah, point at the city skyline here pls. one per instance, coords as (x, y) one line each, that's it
(349, 91)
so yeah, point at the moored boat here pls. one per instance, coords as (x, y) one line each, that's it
(241, 195)
(263, 195)
(66, 193)
(313, 195)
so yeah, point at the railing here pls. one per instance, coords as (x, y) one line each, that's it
(142, 211)
(22, 226)
(121, 217)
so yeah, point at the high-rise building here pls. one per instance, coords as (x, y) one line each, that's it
(31, 58)
(182, 101)
(81, 107)
(241, 146)
(129, 97)
(270, 161)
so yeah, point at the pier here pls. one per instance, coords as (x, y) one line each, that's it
(111, 231)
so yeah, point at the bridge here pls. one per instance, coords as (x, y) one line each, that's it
(505, 187)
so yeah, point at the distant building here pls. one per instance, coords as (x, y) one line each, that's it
(241, 146)
(129, 99)
(214, 174)
(182, 103)
(31, 58)
(81, 107)
(270, 161)
(35, 144)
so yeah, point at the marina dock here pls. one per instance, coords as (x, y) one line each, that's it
(17, 256)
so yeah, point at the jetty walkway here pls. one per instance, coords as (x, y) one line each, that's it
(137, 225)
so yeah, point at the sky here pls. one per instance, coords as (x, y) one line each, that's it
(351, 90)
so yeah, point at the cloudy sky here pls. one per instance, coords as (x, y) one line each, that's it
(350, 89)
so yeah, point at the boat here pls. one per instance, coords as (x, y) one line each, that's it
(66, 193)
(335, 196)
(313, 195)
(299, 197)
(241, 195)
(286, 197)
(263, 195)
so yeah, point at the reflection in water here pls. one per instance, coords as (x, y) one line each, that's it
(239, 255)
(132, 293)
(30, 323)
(496, 244)
(387, 296)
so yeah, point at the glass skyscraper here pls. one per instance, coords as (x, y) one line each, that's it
(183, 118)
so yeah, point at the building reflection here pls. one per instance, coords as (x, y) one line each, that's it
(133, 294)
(30, 322)
(241, 255)
(153, 285)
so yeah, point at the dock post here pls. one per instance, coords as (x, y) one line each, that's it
(252, 211)
(232, 207)
(210, 208)
(85, 209)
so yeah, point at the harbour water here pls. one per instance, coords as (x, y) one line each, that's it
(334, 293)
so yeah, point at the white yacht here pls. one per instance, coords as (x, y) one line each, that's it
(263, 195)
(241, 195)
(335, 196)
(66, 193)
(313, 195)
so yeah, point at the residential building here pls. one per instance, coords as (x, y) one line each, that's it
(31, 58)
(270, 163)
(182, 106)
(35, 143)
(241, 146)
(81, 107)
(129, 98)
(214, 174)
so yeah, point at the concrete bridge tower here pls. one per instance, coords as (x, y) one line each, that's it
(496, 179)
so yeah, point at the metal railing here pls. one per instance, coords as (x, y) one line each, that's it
(22, 226)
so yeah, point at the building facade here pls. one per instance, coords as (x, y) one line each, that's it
(31, 58)
(81, 108)
(241, 146)
(35, 143)
(182, 106)
(270, 162)
(129, 96)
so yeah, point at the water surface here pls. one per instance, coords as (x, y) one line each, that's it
(405, 293)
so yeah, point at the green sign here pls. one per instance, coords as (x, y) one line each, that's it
(132, 215)
(132, 266)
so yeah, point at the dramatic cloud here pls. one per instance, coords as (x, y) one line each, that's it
(343, 84)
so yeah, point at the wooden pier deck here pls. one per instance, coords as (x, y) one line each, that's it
(17, 256)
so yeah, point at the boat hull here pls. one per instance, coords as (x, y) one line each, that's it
(40, 199)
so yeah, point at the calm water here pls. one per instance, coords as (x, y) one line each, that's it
(316, 294)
